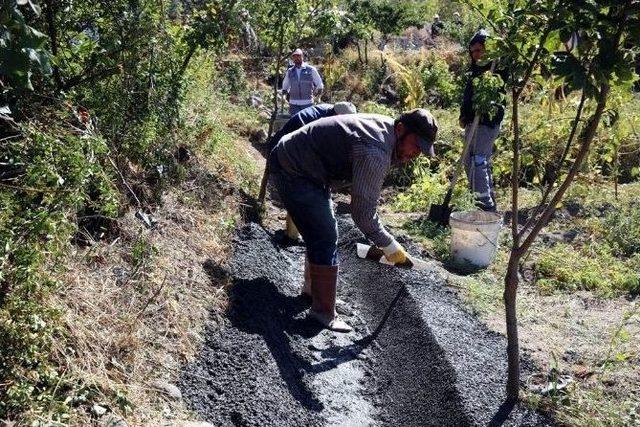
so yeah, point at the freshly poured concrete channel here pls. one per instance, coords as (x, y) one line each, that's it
(415, 358)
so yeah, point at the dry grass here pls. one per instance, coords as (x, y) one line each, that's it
(135, 309)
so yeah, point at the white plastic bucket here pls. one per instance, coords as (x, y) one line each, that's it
(474, 237)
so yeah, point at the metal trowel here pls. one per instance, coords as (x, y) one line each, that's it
(375, 254)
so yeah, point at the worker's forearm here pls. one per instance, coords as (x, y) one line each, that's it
(367, 220)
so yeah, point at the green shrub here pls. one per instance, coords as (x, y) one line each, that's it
(375, 108)
(233, 78)
(591, 267)
(429, 188)
(443, 88)
(374, 76)
(622, 230)
(61, 175)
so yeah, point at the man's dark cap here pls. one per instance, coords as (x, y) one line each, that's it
(422, 123)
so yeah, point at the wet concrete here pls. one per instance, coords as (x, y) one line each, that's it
(415, 358)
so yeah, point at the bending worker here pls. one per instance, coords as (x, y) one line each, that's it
(302, 81)
(359, 148)
(306, 116)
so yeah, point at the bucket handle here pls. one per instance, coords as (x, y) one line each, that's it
(488, 239)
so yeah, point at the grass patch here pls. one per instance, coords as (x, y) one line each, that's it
(592, 267)
(435, 238)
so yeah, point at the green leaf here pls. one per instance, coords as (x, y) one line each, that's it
(567, 66)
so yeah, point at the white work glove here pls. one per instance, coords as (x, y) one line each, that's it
(395, 253)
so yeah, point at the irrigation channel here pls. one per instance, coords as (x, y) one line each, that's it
(416, 357)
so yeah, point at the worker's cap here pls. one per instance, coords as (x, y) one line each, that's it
(344, 107)
(436, 16)
(422, 123)
(297, 52)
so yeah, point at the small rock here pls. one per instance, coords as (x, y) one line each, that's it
(570, 356)
(556, 387)
(255, 101)
(120, 274)
(98, 410)
(169, 389)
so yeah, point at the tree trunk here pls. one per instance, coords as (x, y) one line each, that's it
(359, 53)
(53, 38)
(274, 113)
(513, 350)
(366, 51)
(276, 69)
(187, 59)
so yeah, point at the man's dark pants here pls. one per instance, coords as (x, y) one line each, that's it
(310, 207)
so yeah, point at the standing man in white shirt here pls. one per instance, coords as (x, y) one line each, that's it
(302, 82)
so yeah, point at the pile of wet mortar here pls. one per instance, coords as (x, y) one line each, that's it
(416, 356)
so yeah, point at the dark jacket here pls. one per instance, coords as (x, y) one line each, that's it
(357, 148)
(306, 116)
(466, 109)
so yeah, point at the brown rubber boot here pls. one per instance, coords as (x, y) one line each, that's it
(324, 279)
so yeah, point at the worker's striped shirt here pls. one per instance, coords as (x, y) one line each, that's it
(354, 147)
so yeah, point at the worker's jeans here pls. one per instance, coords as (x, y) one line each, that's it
(311, 209)
(295, 109)
(478, 166)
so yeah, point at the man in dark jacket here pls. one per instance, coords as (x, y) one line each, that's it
(304, 117)
(311, 114)
(478, 163)
(359, 148)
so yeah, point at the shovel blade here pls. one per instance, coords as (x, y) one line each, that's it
(440, 214)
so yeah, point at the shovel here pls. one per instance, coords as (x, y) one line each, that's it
(440, 213)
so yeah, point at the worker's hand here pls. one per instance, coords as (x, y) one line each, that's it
(395, 253)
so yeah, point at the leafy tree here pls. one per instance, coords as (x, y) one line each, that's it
(392, 17)
(21, 46)
(531, 39)
(281, 26)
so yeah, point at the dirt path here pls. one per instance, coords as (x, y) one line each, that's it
(416, 357)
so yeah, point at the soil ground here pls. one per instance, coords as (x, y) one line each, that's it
(416, 357)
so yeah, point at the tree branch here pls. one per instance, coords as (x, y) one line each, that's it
(53, 38)
(515, 179)
(586, 138)
(558, 167)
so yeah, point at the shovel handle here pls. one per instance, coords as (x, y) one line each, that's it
(263, 183)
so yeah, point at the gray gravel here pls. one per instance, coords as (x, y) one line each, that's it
(415, 358)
